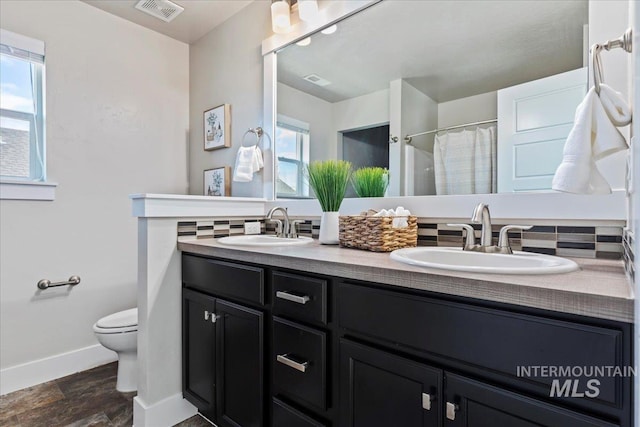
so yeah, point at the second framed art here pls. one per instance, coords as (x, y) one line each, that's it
(217, 181)
(217, 127)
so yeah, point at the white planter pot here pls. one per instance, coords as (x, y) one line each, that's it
(329, 228)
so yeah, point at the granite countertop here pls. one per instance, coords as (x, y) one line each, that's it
(599, 289)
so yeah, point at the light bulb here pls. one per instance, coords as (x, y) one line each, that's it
(308, 10)
(280, 19)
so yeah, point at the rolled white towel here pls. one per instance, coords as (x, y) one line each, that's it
(401, 216)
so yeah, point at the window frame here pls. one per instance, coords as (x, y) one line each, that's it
(34, 187)
(303, 139)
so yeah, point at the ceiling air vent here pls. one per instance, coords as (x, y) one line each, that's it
(316, 80)
(161, 9)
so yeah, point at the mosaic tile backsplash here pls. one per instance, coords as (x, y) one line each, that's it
(627, 254)
(561, 240)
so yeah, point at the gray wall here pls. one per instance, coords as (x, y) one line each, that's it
(226, 68)
(117, 114)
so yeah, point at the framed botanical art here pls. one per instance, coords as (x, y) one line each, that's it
(217, 127)
(217, 182)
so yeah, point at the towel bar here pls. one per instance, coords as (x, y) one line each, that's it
(46, 283)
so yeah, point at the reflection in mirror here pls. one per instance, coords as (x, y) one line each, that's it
(401, 68)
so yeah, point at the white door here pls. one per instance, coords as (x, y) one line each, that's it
(534, 120)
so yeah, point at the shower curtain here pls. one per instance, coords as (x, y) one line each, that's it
(465, 162)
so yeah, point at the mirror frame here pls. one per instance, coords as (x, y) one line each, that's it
(539, 206)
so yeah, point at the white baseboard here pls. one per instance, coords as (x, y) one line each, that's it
(168, 412)
(50, 368)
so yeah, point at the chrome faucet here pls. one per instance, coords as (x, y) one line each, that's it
(482, 216)
(287, 229)
(282, 229)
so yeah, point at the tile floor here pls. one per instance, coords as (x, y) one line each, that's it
(88, 398)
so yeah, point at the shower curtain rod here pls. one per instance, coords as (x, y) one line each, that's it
(408, 138)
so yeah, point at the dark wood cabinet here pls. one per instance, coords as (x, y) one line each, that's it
(239, 365)
(223, 357)
(199, 351)
(265, 346)
(380, 389)
(471, 403)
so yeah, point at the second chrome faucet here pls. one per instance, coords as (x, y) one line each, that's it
(285, 228)
(482, 216)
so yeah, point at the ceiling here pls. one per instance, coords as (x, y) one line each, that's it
(199, 16)
(446, 49)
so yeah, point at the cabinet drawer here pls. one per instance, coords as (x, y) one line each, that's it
(498, 340)
(224, 278)
(286, 416)
(300, 297)
(299, 358)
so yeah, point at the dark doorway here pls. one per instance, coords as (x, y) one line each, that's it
(366, 147)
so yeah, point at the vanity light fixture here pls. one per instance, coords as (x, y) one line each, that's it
(330, 30)
(304, 42)
(308, 10)
(280, 16)
(281, 13)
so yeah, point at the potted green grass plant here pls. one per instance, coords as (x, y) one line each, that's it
(329, 179)
(370, 181)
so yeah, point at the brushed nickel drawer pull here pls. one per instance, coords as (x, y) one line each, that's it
(293, 298)
(426, 401)
(282, 358)
(451, 411)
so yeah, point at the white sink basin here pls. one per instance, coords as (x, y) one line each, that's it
(263, 240)
(459, 260)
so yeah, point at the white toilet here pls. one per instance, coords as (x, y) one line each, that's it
(119, 332)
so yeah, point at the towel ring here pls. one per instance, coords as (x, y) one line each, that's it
(258, 132)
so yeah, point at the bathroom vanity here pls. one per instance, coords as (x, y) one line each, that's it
(327, 336)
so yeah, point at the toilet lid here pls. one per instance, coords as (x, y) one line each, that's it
(120, 319)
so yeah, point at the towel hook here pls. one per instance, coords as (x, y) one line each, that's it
(624, 42)
(598, 77)
(258, 132)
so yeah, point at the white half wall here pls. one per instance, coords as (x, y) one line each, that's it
(117, 119)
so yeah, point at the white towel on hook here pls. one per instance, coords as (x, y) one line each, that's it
(592, 138)
(248, 161)
(614, 104)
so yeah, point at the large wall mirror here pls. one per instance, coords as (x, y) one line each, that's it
(399, 68)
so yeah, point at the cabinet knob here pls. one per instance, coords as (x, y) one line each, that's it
(451, 411)
(426, 401)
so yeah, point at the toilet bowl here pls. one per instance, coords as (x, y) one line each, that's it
(119, 332)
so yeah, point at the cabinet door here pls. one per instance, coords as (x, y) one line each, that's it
(470, 403)
(240, 356)
(198, 351)
(380, 389)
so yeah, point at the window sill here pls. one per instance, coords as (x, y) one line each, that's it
(27, 190)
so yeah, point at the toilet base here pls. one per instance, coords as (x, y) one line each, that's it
(127, 372)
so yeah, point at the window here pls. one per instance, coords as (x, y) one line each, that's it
(21, 108)
(292, 148)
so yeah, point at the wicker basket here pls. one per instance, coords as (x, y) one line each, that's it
(376, 233)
